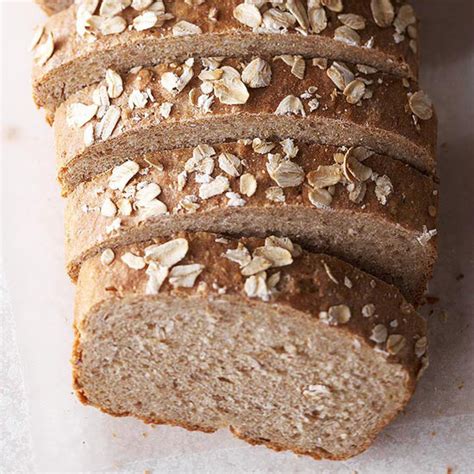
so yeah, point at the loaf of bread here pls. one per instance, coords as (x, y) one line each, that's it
(373, 212)
(172, 106)
(90, 38)
(286, 348)
(251, 211)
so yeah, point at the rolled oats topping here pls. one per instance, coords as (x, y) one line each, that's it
(167, 254)
(133, 261)
(122, 174)
(291, 105)
(379, 334)
(248, 184)
(184, 276)
(258, 73)
(185, 28)
(335, 315)
(107, 257)
(395, 344)
(421, 105)
(79, 114)
(383, 12)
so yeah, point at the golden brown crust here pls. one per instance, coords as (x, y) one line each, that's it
(383, 122)
(408, 209)
(306, 286)
(77, 62)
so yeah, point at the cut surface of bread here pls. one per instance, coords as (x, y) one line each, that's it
(81, 53)
(373, 212)
(207, 102)
(284, 357)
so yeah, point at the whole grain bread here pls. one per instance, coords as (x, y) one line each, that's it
(172, 106)
(81, 53)
(373, 212)
(194, 335)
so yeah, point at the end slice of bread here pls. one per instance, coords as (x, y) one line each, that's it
(82, 53)
(286, 348)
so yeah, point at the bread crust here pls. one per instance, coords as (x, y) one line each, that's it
(99, 285)
(77, 62)
(383, 123)
(408, 209)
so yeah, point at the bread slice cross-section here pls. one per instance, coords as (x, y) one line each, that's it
(214, 100)
(93, 36)
(286, 348)
(373, 212)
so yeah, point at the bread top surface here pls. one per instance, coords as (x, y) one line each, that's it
(77, 39)
(243, 177)
(329, 290)
(145, 106)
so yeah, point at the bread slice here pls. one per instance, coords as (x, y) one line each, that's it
(377, 218)
(146, 117)
(310, 355)
(80, 57)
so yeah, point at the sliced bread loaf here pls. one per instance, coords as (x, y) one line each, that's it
(93, 36)
(376, 213)
(250, 335)
(172, 106)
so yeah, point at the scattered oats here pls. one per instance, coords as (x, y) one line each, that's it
(405, 17)
(379, 334)
(44, 50)
(324, 176)
(114, 84)
(141, 5)
(133, 261)
(356, 22)
(320, 198)
(256, 286)
(248, 15)
(230, 89)
(152, 208)
(361, 153)
(145, 21)
(432, 211)
(275, 194)
(189, 204)
(217, 186)
(165, 109)
(368, 310)
(156, 277)
(394, 323)
(426, 235)
(298, 10)
(285, 243)
(321, 63)
(395, 343)
(383, 12)
(182, 180)
(240, 255)
(420, 346)
(115, 225)
(137, 99)
(235, 199)
(290, 105)
(329, 273)
(383, 189)
(256, 265)
(174, 83)
(357, 192)
(347, 35)
(421, 105)
(185, 28)
(339, 314)
(147, 193)
(299, 67)
(124, 207)
(79, 114)
(261, 146)
(277, 256)
(107, 257)
(122, 174)
(364, 69)
(317, 18)
(167, 254)
(89, 134)
(354, 170)
(289, 147)
(101, 97)
(347, 282)
(284, 172)
(273, 280)
(108, 208)
(354, 91)
(424, 365)
(230, 164)
(109, 121)
(112, 26)
(248, 184)
(277, 21)
(373, 284)
(313, 104)
(37, 35)
(110, 8)
(258, 73)
(185, 276)
(333, 5)
(340, 75)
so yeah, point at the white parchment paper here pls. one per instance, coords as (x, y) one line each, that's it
(50, 431)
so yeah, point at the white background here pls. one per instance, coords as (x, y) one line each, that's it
(50, 431)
